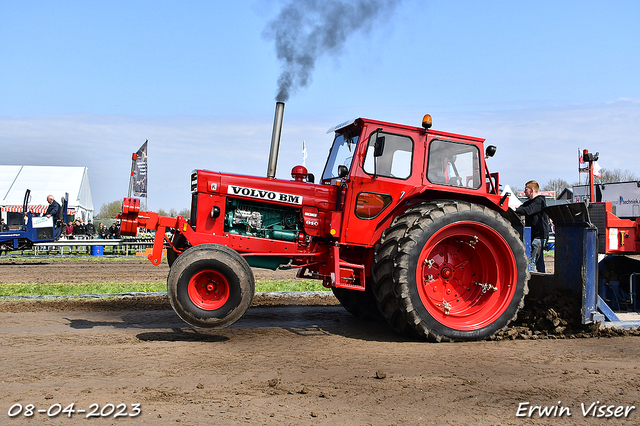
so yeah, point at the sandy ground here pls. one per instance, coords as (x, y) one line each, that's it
(286, 364)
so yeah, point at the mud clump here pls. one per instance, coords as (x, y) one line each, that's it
(556, 315)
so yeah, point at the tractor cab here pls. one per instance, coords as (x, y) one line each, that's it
(381, 168)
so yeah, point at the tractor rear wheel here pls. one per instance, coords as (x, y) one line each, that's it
(210, 286)
(450, 270)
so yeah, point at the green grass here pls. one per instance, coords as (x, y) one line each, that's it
(30, 289)
(268, 286)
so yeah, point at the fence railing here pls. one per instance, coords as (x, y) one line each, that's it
(123, 246)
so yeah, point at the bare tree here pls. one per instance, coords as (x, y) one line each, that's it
(109, 210)
(616, 175)
(556, 185)
(171, 213)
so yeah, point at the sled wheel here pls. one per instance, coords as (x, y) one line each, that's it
(360, 304)
(210, 286)
(456, 270)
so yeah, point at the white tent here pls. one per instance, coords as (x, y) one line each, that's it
(44, 181)
(513, 199)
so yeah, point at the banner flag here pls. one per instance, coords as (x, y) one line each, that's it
(304, 153)
(140, 172)
(596, 169)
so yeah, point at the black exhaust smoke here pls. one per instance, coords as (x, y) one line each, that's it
(275, 140)
(304, 30)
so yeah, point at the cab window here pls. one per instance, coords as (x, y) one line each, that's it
(454, 164)
(395, 159)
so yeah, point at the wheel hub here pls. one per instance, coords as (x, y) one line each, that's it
(208, 290)
(446, 273)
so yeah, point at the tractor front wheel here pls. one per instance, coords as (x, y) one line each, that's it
(210, 286)
(452, 270)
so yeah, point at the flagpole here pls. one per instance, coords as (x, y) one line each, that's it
(146, 192)
(133, 167)
(579, 178)
(304, 153)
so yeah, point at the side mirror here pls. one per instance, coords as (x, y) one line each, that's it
(490, 151)
(342, 171)
(311, 178)
(378, 146)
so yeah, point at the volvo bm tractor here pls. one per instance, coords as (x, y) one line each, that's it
(405, 223)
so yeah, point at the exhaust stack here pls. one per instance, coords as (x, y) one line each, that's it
(275, 140)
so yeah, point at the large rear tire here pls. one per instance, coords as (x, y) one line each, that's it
(450, 270)
(210, 286)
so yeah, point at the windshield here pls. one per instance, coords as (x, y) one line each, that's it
(341, 154)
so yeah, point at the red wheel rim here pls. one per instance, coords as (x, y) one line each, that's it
(466, 276)
(209, 290)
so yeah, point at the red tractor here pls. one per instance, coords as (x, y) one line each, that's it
(405, 223)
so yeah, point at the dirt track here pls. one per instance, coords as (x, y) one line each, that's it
(286, 365)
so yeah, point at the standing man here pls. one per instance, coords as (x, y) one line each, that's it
(89, 229)
(53, 209)
(538, 221)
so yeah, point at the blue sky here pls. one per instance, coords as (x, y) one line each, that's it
(85, 83)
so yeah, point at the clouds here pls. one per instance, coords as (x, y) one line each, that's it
(177, 146)
(542, 143)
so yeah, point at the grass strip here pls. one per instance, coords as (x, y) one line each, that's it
(61, 289)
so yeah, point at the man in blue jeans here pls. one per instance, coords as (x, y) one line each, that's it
(538, 221)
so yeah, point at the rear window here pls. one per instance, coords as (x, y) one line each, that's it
(454, 164)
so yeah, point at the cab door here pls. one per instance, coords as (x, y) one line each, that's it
(383, 176)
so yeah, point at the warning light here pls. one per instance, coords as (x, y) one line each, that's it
(333, 232)
(426, 121)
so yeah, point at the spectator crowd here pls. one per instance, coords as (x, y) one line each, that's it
(77, 229)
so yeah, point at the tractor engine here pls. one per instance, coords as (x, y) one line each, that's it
(262, 220)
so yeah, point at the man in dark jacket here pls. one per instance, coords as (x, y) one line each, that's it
(113, 231)
(537, 220)
(53, 209)
(89, 229)
(78, 229)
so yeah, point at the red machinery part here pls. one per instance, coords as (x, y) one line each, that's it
(129, 216)
(299, 173)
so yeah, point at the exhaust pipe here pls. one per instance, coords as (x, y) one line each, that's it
(275, 140)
